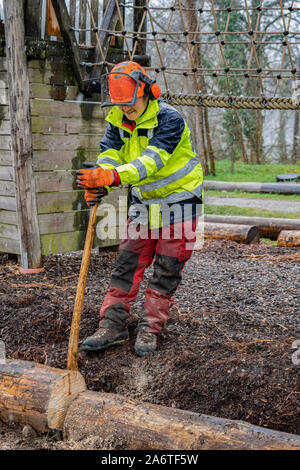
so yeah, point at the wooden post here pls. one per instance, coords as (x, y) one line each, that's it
(21, 134)
(33, 18)
(141, 46)
(70, 40)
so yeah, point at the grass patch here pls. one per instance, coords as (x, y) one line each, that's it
(242, 194)
(247, 212)
(250, 173)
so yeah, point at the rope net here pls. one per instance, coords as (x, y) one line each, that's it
(213, 53)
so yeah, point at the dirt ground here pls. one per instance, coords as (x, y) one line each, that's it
(226, 351)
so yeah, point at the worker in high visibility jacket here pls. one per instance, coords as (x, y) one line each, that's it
(146, 146)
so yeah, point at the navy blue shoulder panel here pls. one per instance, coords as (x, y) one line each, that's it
(111, 139)
(170, 127)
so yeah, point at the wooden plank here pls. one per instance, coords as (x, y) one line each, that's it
(65, 142)
(4, 128)
(56, 64)
(65, 160)
(4, 113)
(9, 231)
(7, 245)
(64, 201)
(21, 133)
(6, 173)
(51, 77)
(8, 217)
(4, 96)
(54, 125)
(69, 39)
(60, 109)
(67, 201)
(70, 241)
(5, 142)
(55, 92)
(7, 188)
(95, 13)
(3, 80)
(55, 181)
(8, 203)
(5, 157)
(3, 64)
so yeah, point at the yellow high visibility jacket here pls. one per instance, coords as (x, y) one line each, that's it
(156, 157)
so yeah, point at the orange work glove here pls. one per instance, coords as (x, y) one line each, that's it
(91, 178)
(92, 196)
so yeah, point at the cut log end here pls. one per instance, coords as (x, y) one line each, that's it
(237, 233)
(35, 394)
(289, 238)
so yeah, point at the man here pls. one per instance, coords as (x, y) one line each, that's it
(146, 146)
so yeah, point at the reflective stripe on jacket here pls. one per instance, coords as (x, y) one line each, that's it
(156, 158)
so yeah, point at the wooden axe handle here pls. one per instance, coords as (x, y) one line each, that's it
(74, 334)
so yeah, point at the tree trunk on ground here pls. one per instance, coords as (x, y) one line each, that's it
(137, 425)
(289, 238)
(268, 227)
(237, 233)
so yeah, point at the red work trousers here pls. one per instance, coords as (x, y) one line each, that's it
(170, 248)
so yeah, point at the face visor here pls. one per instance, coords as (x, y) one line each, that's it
(121, 89)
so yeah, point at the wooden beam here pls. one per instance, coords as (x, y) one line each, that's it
(66, 28)
(237, 233)
(21, 136)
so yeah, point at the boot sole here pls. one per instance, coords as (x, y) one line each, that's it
(100, 348)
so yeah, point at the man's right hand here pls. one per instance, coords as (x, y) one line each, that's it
(93, 196)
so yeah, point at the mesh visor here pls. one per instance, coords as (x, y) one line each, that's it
(119, 89)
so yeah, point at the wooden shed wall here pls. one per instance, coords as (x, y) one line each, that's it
(66, 132)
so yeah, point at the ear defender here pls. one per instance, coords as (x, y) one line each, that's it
(152, 89)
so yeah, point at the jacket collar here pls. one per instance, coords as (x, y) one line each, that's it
(147, 120)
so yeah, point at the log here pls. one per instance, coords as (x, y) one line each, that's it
(268, 227)
(281, 188)
(49, 398)
(289, 238)
(141, 426)
(237, 233)
(35, 394)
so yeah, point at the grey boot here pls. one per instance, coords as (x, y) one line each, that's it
(104, 337)
(145, 343)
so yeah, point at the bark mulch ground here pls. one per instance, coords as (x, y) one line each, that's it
(226, 351)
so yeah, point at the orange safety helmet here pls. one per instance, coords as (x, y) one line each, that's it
(126, 82)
